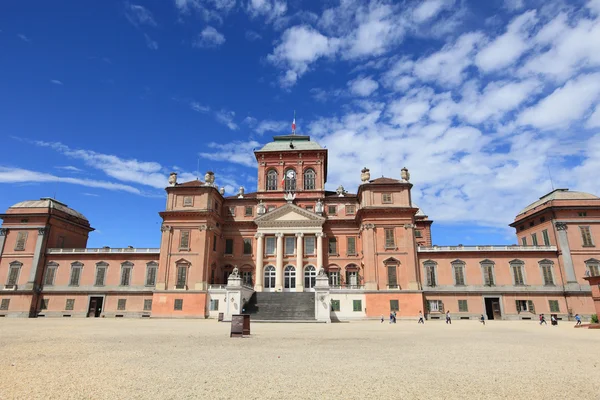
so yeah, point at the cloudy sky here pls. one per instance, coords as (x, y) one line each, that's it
(488, 103)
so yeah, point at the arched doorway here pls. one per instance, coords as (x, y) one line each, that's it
(269, 278)
(310, 278)
(289, 279)
(352, 276)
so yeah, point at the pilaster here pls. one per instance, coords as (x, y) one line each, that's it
(279, 263)
(36, 258)
(258, 274)
(563, 242)
(299, 262)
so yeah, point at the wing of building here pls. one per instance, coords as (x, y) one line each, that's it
(293, 250)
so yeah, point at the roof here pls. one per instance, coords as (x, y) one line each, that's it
(290, 143)
(47, 202)
(383, 180)
(559, 194)
(251, 195)
(194, 183)
(419, 212)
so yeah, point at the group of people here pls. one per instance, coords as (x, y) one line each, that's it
(481, 319)
(392, 317)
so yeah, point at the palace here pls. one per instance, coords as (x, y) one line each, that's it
(293, 250)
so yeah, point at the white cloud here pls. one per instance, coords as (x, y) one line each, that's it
(19, 175)
(209, 38)
(272, 126)
(69, 168)
(226, 117)
(56, 82)
(429, 9)
(594, 6)
(270, 9)
(565, 105)
(594, 119)
(235, 152)
(363, 86)
(252, 36)
(408, 110)
(507, 48)
(151, 44)
(514, 5)
(139, 15)
(194, 105)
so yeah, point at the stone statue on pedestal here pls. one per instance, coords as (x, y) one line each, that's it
(319, 206)
(260, 208)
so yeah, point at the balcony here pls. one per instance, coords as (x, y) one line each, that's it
(433, 249)
(145, 250)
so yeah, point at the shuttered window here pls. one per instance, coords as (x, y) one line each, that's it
(125, 275)
(534, 239)
(430, 275)
(531, 306)
(459, 274)
(517, 270)
(13, 275)
(181, 276)
(228, 246)
(392, 278)
(100, 275)
(75, 274)
(148, 305)
(547, 274)
(389, 238)
(50, 274)
(546, 237)
(121, 304)
(351, 241)
(184, 240)
(333, 246)
(394, 305)
(151, 275)
(553, 305)
(335, 305)
(178, 306)
(21, 240)
(463, 306)
(586, 236)
(70, 304)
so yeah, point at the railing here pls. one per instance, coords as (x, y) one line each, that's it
(217, 286)
(149, 250)
(248, 285)
(429, 249)
(346, 287)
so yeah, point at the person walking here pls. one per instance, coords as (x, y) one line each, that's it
(543, 319)
(482, 319)
(421, 320)
(553, 320)
(391, 317)
(382, 318)
(578, 319)
(394, 316)
(448, 319)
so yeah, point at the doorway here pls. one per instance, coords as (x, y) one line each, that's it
(492, 308)
(95, 307)
(289, 279)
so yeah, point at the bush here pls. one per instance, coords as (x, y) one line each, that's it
(594, 319)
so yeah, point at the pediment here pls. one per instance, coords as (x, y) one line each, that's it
(289, 214)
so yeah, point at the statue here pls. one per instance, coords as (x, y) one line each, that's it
(260, 208)
(319, 206)
(173, 179)
(209, 178)
(322, 272)
(365, 175)
(341, 191)
(241, 193)
(405, 175)
(222, 191)
(235, 273)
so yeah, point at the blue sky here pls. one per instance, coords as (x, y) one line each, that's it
(482, 101)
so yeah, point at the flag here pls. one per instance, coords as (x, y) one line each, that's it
(294, 123)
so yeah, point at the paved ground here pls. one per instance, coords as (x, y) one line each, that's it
(192, 359)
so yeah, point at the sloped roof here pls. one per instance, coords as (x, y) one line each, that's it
(559, 194)
(383, 180)
(194, 183)
(47, 202)
(290, 143)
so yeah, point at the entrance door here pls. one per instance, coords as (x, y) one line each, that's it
(310, 277)
(289, 279)
(95, 307)
(492, 308)
(269, 284)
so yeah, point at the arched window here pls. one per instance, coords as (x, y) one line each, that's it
(309, 179)
(352, 278)
(270, 277)
(272, 180)
(310, 277)
(290, 180)
(289, 277)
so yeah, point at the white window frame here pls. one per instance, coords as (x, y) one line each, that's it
(434, 306)
(314, 244)
(272, 239)
(289, 245)
(334, 277)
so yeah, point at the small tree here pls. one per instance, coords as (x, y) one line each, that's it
(594, 319)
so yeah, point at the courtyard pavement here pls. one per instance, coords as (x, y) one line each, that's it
(196, 359)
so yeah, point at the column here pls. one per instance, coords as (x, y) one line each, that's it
(279, 263)
(299, 262)
(563, 243)
(258, 273)
(36, 258)
(319, 240)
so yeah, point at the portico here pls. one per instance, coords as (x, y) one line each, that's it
(290, 247)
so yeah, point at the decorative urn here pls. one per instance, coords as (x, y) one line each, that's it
(405, 175)
(365, 175)
(209, 178)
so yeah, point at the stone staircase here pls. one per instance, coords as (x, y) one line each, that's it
(281, 306)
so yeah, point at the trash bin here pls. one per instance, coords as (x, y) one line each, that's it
(220, 319)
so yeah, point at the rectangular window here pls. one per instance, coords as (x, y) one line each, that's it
(430, 274)
(386, 198)
(488, 274)
(335, 305)
(178, 306)
(350, 210)
(49, 278)
(331, 210)
(231, 211)
(100, 274)
(247, 246)
(148, 305)
(270, 242)
(418, 233)
(188, 201)
(214, 305)
(309, 245)
(184, 240)
(392, 278)
(524, 241)
(582, 214)
(228, 246)
(459, 274)
(181, 276)
(389, 238)
(547, 273)
(13, 276)
(247, 277)
(21, 240)
(586, 236)
(44, 304)
(462, 306)
(356, 305)
(290, 245)
(215, 242)
(5, 304)
(351, 245)
(151, 275)
(121, 304)
(593, 269)
(70, 304)
(534, 239)
(248, 210)
(546, 237)
(394, 306)
(333, 246)
(525, 306)
(334, 278)
(125, 275)
(436, 306)
(518, 275)
(75, 273)
(554, 306)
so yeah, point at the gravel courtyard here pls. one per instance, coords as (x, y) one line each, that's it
(192, 359)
